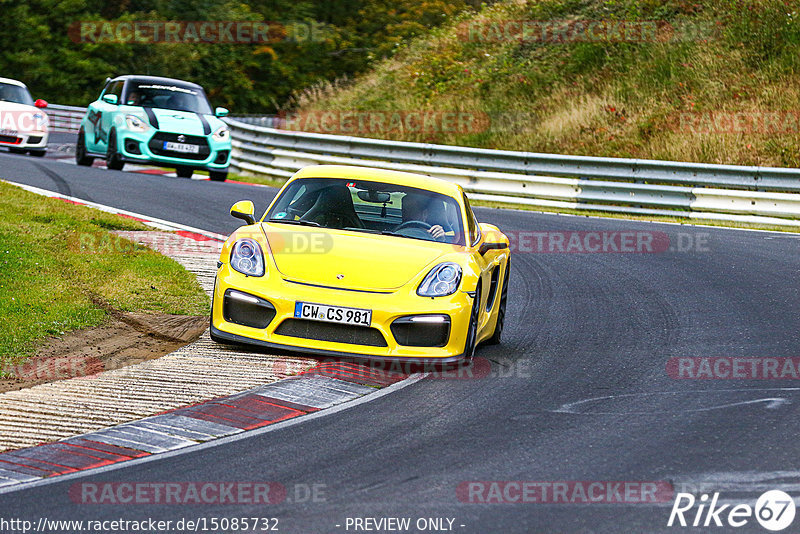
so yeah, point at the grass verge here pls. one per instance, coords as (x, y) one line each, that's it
(62, 269)
(713, 82)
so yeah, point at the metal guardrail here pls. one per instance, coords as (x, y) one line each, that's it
(765, 195)
(631, 186)
(65, 118)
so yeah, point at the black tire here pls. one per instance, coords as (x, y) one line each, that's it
(113, 159)
(184, 172)
(218, 176)
(501, 310)
(37, 153)
(472, 330)
(80, 151)
(17, 150)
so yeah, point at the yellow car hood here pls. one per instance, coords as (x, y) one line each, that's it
(349, 260)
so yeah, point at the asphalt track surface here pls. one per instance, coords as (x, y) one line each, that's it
(579, 327)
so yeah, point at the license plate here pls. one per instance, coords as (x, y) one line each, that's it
(181, 147)
(332, 314)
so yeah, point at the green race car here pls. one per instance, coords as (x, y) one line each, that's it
(156, 121)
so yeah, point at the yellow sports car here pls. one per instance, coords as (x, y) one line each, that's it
(365, 263)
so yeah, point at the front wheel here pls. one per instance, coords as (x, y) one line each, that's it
(113, 159)
(80, 151)
(37, 153)
(218, 176)
(184, 172)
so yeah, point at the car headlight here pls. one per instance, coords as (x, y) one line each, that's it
(40, 122)
(136, 124)
(247, 257)
(443, 280)
(222, 133)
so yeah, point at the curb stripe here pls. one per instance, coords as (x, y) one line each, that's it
(121, 452)
(24, 469)
(290, 405)
(309, 392)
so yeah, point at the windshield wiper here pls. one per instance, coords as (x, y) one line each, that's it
(299, 222)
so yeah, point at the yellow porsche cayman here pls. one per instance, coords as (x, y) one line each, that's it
(365, 263)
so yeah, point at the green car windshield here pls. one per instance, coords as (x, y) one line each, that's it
(371, 207)
(167, 96)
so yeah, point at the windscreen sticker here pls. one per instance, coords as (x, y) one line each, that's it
(169, 88)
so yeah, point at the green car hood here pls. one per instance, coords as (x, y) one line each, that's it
(184, 122)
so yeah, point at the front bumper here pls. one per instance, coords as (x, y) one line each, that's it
(386, 308)
(26, 140)
(144, 148)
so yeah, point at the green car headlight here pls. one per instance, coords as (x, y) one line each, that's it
(136, 124)
(222, 133)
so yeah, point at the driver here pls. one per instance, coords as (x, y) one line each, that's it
(425, 209)
(134, 98)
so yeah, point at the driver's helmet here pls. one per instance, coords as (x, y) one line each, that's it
(425, 208)
(414, 206)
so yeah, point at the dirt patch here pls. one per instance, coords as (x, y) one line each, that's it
(125, 339)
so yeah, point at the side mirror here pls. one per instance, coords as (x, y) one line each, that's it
(110, 99)
(244, 210)
(221, 112)
(492, 239)
(40, 103)
(486, 247)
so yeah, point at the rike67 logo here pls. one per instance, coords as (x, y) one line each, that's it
(774, 511)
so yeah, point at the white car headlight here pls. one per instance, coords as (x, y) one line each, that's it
(40, 122)
(136, 124)
(222, 133)
(441, 281)
(247, 258)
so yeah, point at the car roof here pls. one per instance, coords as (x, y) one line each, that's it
(11, 81)
(420, 181)
(154, 79)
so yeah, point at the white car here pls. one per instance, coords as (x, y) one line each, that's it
(24, 127)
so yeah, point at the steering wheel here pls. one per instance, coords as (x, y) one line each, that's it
(419, 229)
(414, 224)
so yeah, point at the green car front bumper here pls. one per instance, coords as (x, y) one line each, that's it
(151, 148)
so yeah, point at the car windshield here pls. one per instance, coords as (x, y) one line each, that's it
(371, 207)
(167, 96)
(15, 93)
